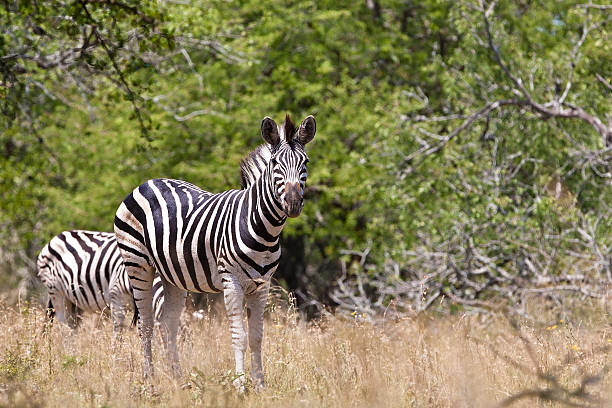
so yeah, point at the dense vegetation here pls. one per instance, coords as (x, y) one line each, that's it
(463, 148)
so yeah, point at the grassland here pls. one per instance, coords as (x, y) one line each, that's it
(418, 361)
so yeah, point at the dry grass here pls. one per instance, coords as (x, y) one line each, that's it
(425, 361)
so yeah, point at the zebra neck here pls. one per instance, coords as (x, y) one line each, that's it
(267, 218)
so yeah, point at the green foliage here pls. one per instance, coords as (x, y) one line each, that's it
(73, 361)
(196, 79)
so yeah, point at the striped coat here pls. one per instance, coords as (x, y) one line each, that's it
(227, 242)
(83, 271)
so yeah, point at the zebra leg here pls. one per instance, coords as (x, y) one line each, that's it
(73, 315)
(50, 310)
(233, 295)
(59, 304)
(119, 304)
(174, 303)
(141, 280)
(256, 303)
(65, 310)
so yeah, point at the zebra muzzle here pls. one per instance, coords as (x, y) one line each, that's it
(294, 200)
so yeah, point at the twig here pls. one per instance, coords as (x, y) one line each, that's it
(131, 95)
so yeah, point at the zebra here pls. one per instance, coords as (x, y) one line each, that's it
(84, 271)
(226, 242)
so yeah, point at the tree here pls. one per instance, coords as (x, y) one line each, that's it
(507, 175)
(462, 150)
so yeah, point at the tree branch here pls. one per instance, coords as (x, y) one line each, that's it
(552, 109)
(130, 94)
(604, 81)
(595, 6)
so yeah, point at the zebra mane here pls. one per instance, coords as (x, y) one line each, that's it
(288, 129)
(253, 166)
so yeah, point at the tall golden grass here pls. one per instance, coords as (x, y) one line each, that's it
(419, 361)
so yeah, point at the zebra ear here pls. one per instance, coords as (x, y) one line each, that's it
(307, 130)
(269, 131)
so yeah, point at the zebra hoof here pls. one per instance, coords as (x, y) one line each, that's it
(238, 383)
(261, 387)
(177, 373)
(148, 374)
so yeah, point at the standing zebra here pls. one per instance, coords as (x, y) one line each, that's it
(204, 242)
(84, 271)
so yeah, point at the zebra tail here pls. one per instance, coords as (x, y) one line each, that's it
(136, 315)
(50, 310)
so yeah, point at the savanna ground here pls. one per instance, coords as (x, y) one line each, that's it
(424, 360)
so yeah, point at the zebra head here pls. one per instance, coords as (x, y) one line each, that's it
(289, 159)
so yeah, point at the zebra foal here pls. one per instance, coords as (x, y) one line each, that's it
(226, 242)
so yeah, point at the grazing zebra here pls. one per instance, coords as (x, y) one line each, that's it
(204, 242)
(84, 271)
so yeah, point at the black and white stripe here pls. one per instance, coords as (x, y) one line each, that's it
(204, 242)
(84, 271)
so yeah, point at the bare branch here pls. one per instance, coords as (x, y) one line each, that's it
(132, 97)
(427, 150)
(573, 60)
(603, 81)
(595, 6)
(549, 109)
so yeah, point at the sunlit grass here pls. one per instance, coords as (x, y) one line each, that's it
(420, 361)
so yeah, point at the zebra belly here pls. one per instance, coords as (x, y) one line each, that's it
(193, 271)
(250, 276)
(194, 267)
